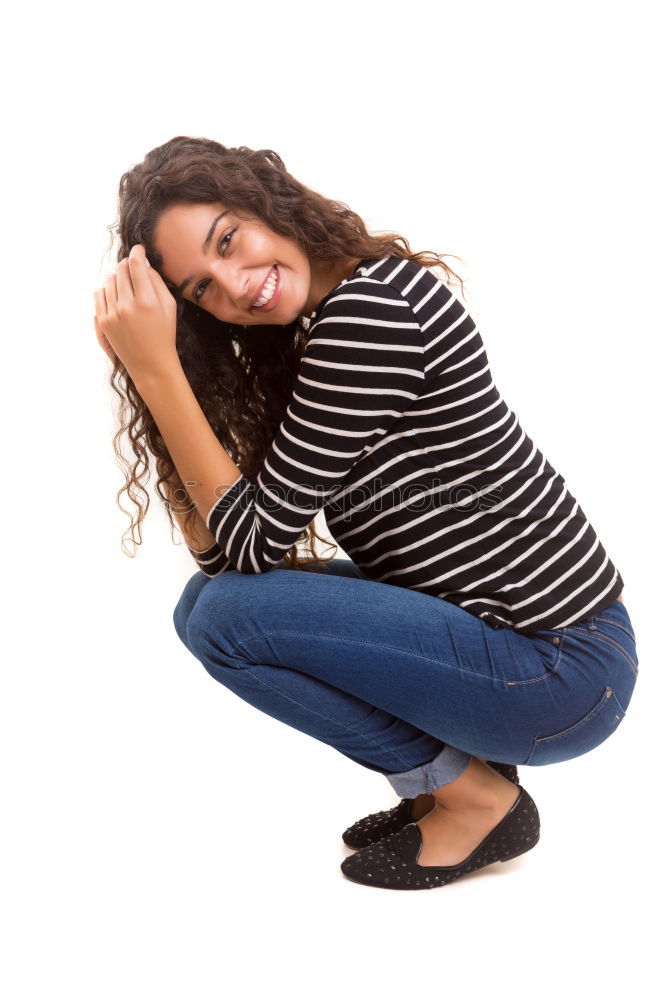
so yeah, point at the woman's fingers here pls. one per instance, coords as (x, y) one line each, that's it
(135, 281)
(124, 289)
(99, 298)
(103, 342)
(138, 271)
(147, 278)
(111, 292)
(136, 315)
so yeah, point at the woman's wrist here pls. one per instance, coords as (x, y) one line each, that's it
(149, 381)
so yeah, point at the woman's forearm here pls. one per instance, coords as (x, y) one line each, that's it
(204, 467)
(195, 532)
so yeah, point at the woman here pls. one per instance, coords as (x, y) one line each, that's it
(277, 360)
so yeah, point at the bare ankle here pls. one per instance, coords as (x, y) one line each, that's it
(421, 806)
(478, 787)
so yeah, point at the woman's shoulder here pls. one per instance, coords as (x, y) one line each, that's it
(414, 283)
(379, 287)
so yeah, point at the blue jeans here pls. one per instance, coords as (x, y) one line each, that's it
(402, 682)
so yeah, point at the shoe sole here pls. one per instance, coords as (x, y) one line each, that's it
(483, 868)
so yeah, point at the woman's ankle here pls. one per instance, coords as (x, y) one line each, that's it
(478, 787)
(421, 806)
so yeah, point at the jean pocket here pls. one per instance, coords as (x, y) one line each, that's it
(589, 732)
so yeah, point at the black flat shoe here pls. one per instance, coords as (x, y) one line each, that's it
(371, 828)
(392, 863)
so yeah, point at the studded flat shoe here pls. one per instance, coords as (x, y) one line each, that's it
(371, 828)
(392, 862)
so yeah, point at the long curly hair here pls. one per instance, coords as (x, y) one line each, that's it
(242, 378)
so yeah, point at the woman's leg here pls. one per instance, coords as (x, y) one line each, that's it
(376, 740)
(357, 729)
(294, 642)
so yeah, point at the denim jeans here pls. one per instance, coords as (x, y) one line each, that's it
(404, 683)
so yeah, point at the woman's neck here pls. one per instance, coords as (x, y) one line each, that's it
(324, 276)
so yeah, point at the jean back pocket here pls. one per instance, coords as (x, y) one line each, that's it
(589, 732)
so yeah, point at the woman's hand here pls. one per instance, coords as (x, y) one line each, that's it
(103, 342)
(135, 317)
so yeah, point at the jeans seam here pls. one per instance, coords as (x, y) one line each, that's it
(431, 782)
(585, 721)
(607, 641)
(551, 671)
(336, 722)
(620, 706)
(530, 680)
(611, 621)
(361, 642)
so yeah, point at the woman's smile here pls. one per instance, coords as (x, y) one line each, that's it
(233, 265)
(270, 292)
(238, 269)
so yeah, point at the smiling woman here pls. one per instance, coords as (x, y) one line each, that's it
(278, 361)
(215, 224)
(245, 271)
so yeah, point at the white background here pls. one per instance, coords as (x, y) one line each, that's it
(161, 839)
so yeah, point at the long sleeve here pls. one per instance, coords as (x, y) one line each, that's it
(362, 367)
(211, 561)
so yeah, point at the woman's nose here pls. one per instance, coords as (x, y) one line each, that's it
(233, 281)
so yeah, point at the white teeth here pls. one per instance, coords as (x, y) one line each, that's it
(267, 291)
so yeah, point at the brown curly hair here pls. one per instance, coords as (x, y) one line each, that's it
(242, 378)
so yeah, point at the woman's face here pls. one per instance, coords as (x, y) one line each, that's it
(234, 267)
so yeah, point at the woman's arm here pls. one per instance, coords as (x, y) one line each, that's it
(197, 536)
(363, 366)
(135, 321)
(202, 464)
(205, 551)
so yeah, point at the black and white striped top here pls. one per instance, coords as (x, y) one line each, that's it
(396, 429)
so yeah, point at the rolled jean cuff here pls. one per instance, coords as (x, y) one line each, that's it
(448, 765)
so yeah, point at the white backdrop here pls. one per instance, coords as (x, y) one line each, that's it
(160, 838)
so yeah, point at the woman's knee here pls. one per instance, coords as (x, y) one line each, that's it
(186, 603)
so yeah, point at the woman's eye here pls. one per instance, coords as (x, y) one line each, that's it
(222, 246)
(227, 237)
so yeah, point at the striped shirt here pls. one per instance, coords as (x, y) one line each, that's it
(397, 431)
